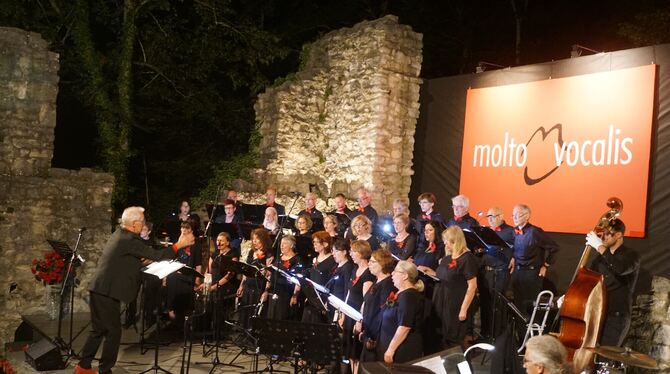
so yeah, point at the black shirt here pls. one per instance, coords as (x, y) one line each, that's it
(532, 246)
(464, 222)
(620, 270)
(368, 211)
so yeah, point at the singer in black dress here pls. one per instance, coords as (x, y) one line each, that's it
(224, 283)
(359, 284)
(282, 294)
(381, 265)
(345, 267)
(400, 338)
(403, 245)
(322, 270)
(361, 228)
(250, 289)
(457, 288)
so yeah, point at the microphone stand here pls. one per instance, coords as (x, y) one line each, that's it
(70, 270)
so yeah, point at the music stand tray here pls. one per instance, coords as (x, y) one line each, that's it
(238, 267)
(317, 342)
(480, 238)
(313, 290)
(61, 248)
(253, 212)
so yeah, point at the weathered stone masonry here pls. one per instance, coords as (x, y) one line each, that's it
(38, 202)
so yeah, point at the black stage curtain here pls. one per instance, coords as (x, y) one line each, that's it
(439, 137)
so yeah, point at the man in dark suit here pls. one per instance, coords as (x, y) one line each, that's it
(117, 279)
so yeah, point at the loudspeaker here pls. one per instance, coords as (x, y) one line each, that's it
(44, 355)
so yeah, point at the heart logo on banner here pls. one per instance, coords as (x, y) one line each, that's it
(537, 150)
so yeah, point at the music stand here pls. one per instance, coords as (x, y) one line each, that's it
(247, 227)
(313, 290)
(161, 270)
(304, 247)
(480, 237)
(254, 213)
(65, 252)
(215, 211)
(233, 229)
(239, 267)
(316, 342)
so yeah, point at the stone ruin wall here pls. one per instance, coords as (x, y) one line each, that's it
(348, 117)
(38, 202)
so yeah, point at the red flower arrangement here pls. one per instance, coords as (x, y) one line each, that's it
(391, 300)
(6, 367)
(49, 270)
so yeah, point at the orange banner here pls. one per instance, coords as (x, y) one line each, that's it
(562, 146)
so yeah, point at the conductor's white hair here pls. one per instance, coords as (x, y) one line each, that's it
(130, 215)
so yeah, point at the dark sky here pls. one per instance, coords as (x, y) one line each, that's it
(457, 35)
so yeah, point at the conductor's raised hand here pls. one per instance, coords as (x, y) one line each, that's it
(185, 239)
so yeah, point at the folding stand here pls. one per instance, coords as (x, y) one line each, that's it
(160, 270)
(315, 342)
(68, 286)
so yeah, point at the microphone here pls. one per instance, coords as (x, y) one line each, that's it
(82, 229)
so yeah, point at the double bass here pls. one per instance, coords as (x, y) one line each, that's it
(583, 309)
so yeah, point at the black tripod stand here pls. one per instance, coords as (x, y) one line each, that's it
(68, 287)
(161, 270)
(216, 319)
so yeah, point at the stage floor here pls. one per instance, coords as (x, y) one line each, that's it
(131, 360)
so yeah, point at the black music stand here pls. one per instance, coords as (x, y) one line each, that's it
(481, 237)
(161, 270)
(66, 252)
(254, 213)
(233, 229)
(314, 295)
(246, 228)
(239, 267)
(319, 343)
(216, 361)
(304, 247)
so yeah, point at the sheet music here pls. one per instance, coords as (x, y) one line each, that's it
(162, 269)
(434, 364)
(345, 308)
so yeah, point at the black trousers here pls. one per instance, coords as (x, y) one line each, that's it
(105, 325)
(614, 330)
(526, 284)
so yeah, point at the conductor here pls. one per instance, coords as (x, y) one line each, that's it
(117, 279)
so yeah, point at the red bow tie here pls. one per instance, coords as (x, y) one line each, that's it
(458, 219)
(425, 216)
(308, 210)
(518, 231)
(361, 209)
(497, 228)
